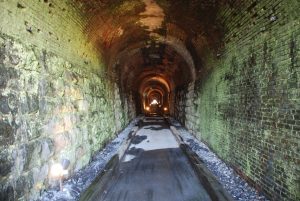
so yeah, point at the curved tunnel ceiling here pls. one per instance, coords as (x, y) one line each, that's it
(154, 81)
(146, 39)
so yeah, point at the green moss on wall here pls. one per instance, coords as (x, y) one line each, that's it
(55, 100)
(247, 108)
(57, 26)
(53, 109)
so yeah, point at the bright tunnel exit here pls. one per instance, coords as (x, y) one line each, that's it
(155, 96)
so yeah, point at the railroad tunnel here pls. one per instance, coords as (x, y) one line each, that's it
(75, 73)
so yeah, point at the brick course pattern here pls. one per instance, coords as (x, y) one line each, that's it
(247, 107)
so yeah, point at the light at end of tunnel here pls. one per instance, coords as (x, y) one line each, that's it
(154, 102)
(165, 109)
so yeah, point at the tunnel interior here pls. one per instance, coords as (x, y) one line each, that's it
(74, 73)
(146, 45)
(155, 71)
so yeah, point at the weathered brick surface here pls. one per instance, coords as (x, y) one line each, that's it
(247, 107)
(58, 26)
(56, 101)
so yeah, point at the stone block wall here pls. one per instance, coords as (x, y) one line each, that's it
(50, 109)
(55, 99)
(247, 107)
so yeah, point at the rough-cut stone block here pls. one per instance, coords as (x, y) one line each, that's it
(6, 162)
(6, 133)
(47, 149)
(4, 108)
(23, 185)
(6, 74)
(7, 192)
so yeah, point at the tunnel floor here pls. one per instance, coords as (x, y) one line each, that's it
(153, 168)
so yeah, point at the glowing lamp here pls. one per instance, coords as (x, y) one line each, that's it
(59, 170)
(56, 170)
(165, 109)
(147, 108)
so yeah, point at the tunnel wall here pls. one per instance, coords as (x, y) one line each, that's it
(247, 107)
(55, 99)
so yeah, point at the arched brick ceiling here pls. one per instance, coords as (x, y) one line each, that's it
(142, 38)
(154, 83)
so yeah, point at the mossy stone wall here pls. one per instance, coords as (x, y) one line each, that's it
(56, 101)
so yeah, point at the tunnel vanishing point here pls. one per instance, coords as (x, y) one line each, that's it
(73, 73)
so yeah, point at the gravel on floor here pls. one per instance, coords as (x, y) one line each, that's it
(74, 186)
(237, 187)
(231, 181)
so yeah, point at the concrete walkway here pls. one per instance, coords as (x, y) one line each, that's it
(153, 169)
